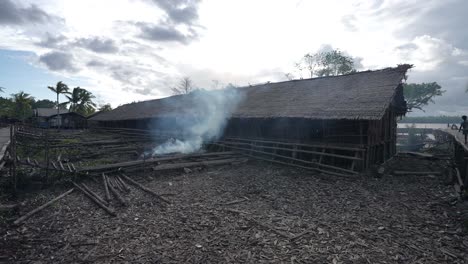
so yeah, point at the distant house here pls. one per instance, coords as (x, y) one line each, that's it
(48, 118)
(41, 115)
(70, 120)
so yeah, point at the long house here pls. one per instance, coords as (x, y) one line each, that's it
(341, 124)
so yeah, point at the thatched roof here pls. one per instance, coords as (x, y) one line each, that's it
(362, 95)
(46, 112)
(67, 114)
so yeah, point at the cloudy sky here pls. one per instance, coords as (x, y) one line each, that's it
(131, 50)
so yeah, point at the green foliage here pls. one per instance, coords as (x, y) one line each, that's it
(60, 88)
(43, 104)
(22, 105)
(418, 95)
(431, 119)
(328, 63)
(6, 107)
(105, 108)
(80, 101)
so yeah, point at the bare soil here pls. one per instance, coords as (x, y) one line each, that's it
(249, 213)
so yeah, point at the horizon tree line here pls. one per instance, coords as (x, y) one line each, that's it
(21, 104)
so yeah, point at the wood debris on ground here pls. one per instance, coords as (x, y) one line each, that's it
(254, 212)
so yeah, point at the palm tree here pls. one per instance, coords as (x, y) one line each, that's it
(60, 88)
(80, 101)
(86, 104)
(22, 103)
(73, 99)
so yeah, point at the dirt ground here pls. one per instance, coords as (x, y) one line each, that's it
(249, 213)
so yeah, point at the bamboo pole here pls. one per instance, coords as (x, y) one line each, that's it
(145, 189)
(106, 188)
(96, 201)
(193, 164)
(116, 194)
(124, 185)
(292, 159)
(40, 208)
(93, 193)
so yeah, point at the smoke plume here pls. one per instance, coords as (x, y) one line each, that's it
(201, 116)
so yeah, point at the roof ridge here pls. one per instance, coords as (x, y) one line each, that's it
(399, 67)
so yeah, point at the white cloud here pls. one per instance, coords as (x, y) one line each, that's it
(137, 49)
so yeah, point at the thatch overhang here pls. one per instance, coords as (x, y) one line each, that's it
(357, 96)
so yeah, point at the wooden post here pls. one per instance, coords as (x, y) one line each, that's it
(13, 155)
(294, 153)
(466, 172)
(47, 155)
(361, 136)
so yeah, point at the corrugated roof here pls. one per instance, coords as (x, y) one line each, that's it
(361, 95)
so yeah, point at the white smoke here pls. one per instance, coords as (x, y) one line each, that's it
(174, 145)
(205, 114)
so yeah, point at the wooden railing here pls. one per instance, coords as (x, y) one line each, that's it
(326, 158)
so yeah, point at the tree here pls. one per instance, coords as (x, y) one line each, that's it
(105, 108)
(2, 89)
(22, 107)
(81, 101)
(335, 63)
(6, 107)
(325, 63)
(185, 86)
(86, 105)
(43, 104)
(418, 95)
(60, 88)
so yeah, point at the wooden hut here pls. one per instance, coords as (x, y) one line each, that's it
(41, 116)
(346, 121)
(70, 120)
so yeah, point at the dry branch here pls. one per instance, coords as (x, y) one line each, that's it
(267, 227)
(6, 207)
(236, 201)
(38, 209)
(416, 172)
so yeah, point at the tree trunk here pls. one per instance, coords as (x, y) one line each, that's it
(58, 111)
